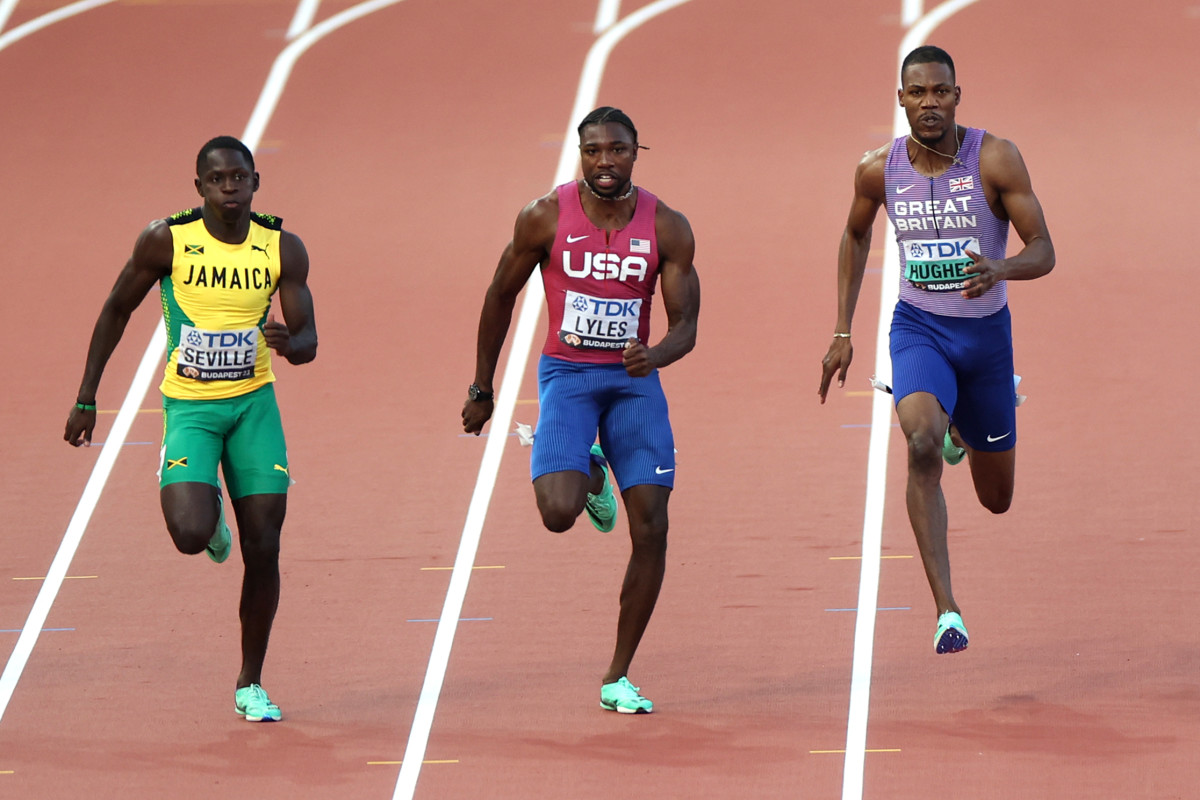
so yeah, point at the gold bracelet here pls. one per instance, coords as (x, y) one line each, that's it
(837, 335)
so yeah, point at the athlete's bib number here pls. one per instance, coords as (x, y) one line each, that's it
(936, 265)
(596, 323)
(216, 355)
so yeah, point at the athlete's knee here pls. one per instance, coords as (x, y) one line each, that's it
(260, 549)
(924, 452)
(996, 502)
(190, 535)
(558, 516)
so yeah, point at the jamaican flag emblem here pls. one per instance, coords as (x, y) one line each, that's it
(193, 249)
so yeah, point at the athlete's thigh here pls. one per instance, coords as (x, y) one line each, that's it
(255, 460)
(635, 432)
(919, 359)
(193, 440)
(568, 414)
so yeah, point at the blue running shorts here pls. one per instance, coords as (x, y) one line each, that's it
(966, 363)
(577, 400)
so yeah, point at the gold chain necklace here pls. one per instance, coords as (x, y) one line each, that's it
(954, 159)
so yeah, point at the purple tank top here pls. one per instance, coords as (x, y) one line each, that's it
(936, 221)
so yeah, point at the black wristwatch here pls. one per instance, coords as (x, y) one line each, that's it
(474, 393)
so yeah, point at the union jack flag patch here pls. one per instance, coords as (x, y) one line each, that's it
(639, 246)
(962, 184)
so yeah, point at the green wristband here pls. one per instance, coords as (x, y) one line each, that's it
(85, 406)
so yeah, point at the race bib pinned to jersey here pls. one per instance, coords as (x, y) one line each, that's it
(597, 323)
(936, 265)
(216, 355)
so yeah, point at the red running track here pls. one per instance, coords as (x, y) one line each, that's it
(401, 151)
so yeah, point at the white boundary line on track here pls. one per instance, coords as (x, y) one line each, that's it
(306, 12)
(881, 427)
(506, 400)
(45, 20)
(6, 9)
(267, 101)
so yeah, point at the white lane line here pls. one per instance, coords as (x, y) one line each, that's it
(47, 19)
(881, 427)
(607, 13)
(306, 11)
(281, 70)
(506, 399)
(155, 350)
(6, 9)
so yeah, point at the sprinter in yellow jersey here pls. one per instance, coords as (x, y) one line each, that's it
(218, 267)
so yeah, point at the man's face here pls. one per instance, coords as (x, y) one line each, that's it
(227, 183)
(606, 153)
(928, 98)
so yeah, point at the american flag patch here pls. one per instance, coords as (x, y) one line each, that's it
(962, 184)
(639, 246)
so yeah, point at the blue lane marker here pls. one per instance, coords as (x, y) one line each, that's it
(889, 608)
(461, 619)
(44, 630)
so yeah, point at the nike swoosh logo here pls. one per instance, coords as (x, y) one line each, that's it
(661, 471)
(991, 438)
(903, 189)
(574, 239)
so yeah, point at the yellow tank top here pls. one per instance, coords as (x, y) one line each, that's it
(215, 302)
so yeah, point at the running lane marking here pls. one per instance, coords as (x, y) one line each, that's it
(155, 350)
(45, 20)
(881, 427)
(506, 399)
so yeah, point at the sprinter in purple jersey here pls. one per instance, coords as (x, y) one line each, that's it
(601, 244)
(951, 193)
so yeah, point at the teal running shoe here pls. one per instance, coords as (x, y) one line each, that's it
(602, 508)
(951, 636)
(253, 704)
(951, 452)
(222, 540)
(623, 698)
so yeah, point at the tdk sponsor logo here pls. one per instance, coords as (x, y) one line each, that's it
(946, 248)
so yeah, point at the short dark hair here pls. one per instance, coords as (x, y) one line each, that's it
(927, 54)
(605, 114)
(222, 143)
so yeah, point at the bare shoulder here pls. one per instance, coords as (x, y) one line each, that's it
(1000, 163)
(672, 226)
(293, 257)
(869, 174)
(155, 247)
(537, 222)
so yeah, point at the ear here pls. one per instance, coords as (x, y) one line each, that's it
(900, 97)
(256, 181)
(199, 189)
(957, 95)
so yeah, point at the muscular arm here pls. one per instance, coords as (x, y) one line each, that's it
(680, 296)
(1010, 194)
(296, 337)
(533, 235)
(852, 262)
(151, 260)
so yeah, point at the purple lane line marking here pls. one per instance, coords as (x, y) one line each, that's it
(460, 619)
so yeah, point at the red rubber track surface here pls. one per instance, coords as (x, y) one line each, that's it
(400, 152)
